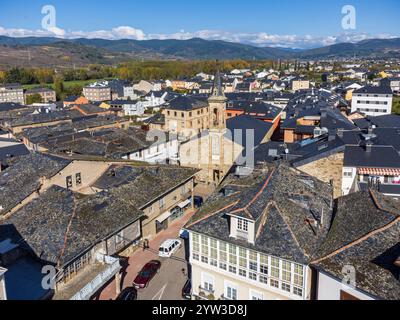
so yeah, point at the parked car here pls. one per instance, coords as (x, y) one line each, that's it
(187, 290)
(128, 294)
(169, 247)
(146, 274)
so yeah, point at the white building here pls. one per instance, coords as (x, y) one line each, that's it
(12, 93)
(250, 242)
(372, 101)
(164, 150)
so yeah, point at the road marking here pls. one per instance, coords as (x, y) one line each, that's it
(160, 293)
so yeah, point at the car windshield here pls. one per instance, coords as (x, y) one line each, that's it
(144, 274)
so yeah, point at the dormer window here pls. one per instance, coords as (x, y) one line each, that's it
(242, 225)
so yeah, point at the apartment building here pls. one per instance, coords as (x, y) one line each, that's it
(186, 116)
(12, 93)
(253, 239)
(47, 95)
(97, 92)
(372, 101)
(300, 84)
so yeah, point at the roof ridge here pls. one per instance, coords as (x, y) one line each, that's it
(290, 230)
(358, 241)
(258, 193)
(212, 213)
(67, 231)
(376, 202)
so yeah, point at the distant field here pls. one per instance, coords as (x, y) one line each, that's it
(67, 84)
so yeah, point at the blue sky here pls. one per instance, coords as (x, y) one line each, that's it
(295, 23)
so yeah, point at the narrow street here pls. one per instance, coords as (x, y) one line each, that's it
(168, 283)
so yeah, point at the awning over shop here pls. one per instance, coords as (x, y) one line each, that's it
(184, 204)
(164, 216)
(379, 171)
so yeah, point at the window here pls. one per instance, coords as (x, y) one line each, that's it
(213, 252)
(285, 287)
(161, 202)
(222, 265)
(275, 268)
(231, 292)
(242, 258)
(232, 255)
(298, 291)
(196, 246)
(253, 276)
(274, 283)
(242, 273)
(255, 295)
(298, 275)
(204, 259)
(242, 225)
(264, 264)
(78, 179)
(286, 271)
(348, 173)
(69, 182)
(253, 265)
(263, 279)
(204, 245)
(208, 282)
(232, 269)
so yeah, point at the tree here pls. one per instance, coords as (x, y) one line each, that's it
(59, 87)
(34, 98)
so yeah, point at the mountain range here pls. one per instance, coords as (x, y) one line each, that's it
(83, 51)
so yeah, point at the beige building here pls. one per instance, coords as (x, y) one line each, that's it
(213, 151)
(47, 95)
(3, 294)
(12, 93)
(186, 116)
(300, 84)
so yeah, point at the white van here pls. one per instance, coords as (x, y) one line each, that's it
(169, 247)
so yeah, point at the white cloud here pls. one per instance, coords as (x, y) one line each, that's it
(256, 39)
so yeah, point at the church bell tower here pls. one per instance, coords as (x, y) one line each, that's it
(217, 130)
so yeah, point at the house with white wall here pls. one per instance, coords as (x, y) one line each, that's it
(372, 101)
(252, 240)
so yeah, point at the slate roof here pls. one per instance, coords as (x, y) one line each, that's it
(245, 122)
(374, 90)
(280, 201)
(186, 103)
(43, 118)
(365, 234)
(23, 177)
(143, 184)
(109, 143)
(378, 157)
(13, 151)
(385, 121)
(47, 221)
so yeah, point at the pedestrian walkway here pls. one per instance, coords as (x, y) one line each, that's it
(141, 257)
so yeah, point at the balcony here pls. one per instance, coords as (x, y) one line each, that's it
(90, 280)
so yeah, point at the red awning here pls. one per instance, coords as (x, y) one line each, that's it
(379, 171)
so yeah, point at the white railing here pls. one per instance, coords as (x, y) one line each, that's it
(86, 292)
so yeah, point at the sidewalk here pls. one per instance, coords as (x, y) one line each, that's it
(140, 257)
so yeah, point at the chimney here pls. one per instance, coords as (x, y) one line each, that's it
(370, 130)
(340, 133)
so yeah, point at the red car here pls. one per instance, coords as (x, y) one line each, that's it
(146, 274)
